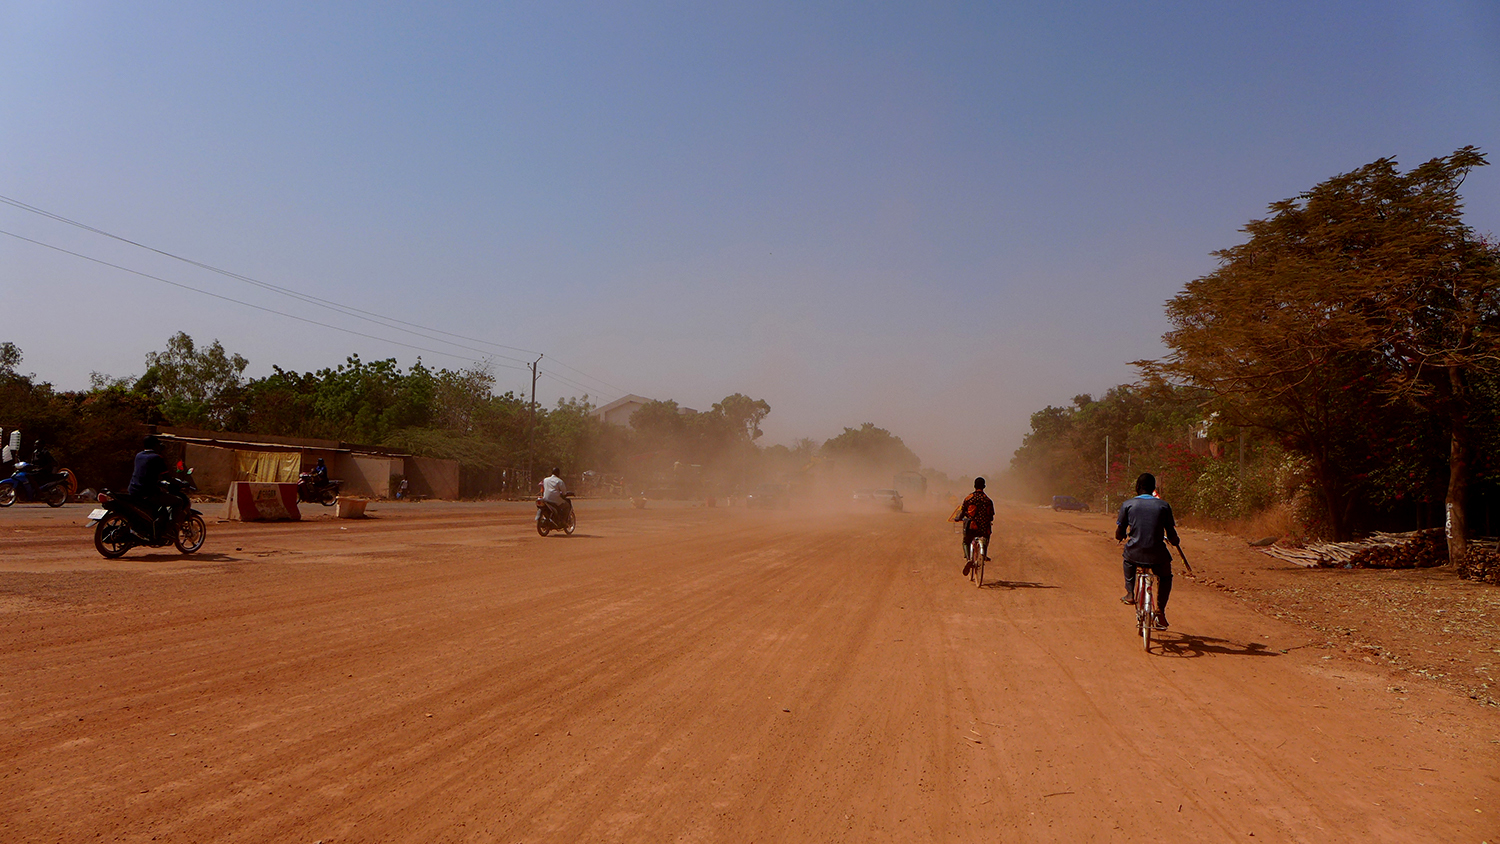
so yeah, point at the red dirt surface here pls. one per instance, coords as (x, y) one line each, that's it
(441, 673)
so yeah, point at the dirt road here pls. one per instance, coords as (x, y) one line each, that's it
(442, 673)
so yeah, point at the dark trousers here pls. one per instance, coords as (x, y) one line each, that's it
(1163, 573)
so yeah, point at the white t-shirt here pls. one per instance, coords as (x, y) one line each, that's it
(553, 489)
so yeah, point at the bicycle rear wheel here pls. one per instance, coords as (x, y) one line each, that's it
(1146, 609)
(976, 560)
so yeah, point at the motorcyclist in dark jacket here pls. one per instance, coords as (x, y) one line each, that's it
(145, 481)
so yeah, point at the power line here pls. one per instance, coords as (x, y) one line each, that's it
(248, 304)
(346, 310)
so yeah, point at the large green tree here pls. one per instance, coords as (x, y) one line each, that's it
(870, 455)
(1358, 312)
(193, 387)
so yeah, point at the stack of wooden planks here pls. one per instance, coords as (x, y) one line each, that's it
(1416, 549)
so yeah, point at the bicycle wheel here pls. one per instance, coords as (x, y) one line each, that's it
(976, 555)
(1148, 611)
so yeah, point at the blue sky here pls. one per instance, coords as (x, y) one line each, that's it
(935, 217)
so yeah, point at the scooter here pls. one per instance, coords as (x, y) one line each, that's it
(547, 521)
(310, 491)
(29, 483)
(122, 521)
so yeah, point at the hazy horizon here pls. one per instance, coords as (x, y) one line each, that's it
(938, 221)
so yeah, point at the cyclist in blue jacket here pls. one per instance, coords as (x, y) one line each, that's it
(1143, 523)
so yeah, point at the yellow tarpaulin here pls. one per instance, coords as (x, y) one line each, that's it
(267, 467)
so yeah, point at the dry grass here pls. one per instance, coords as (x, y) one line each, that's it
(1280, 522)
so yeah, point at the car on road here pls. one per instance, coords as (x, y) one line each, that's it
(769, 497)
(1068, 502)
(889, 497)
(863, 497)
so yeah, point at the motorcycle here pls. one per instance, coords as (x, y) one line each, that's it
(30, 483)
(310, 491)
(548, 521)
(123, 521)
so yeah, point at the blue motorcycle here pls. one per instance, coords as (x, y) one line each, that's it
(31, 484)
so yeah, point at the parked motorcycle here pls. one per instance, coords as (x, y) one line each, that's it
(548, 521)
(123, 521)
(29, 483)
(310, 491)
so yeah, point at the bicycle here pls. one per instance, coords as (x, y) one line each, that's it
(1146, 604)
(978, 548)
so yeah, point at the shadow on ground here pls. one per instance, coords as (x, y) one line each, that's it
(1186, 645)
(1015, 584)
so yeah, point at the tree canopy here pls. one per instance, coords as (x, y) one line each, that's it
(1354, 324)
(451, 414)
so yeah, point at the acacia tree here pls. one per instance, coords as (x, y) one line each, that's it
(194, 387)
(1363, 306)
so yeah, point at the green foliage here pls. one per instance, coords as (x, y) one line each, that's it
(10, 358)
(1352, 325)
(743, 415)
(199, 389)
(566, 434)
(1064, 453)
(470, 451)
(432, 413)
(870, 456)
(93, 433)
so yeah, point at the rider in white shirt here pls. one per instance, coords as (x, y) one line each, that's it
(554, 492)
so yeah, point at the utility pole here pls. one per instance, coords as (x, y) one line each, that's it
(531, 434)
(1106, 473)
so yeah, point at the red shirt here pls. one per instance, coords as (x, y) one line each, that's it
(978, 511)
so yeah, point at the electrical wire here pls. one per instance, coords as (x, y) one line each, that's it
(346, 310)
(249, 304)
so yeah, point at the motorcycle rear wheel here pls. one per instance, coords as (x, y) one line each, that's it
(55, 496)
(190, 534)
(542, 528)
(7, 495)
(112, 536)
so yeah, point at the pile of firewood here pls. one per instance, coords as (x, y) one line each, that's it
(1417, 549)
(1481, 562)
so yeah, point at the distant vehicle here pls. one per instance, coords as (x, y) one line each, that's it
(1068, 502)
(888, 497)
(864, 496)
(550, 517)
(769, 497)
(313, 492)
(31, 483)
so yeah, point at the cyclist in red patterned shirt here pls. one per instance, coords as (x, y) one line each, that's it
(977, 513)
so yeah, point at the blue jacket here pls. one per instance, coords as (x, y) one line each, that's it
(150, 468)
(1141, 523)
